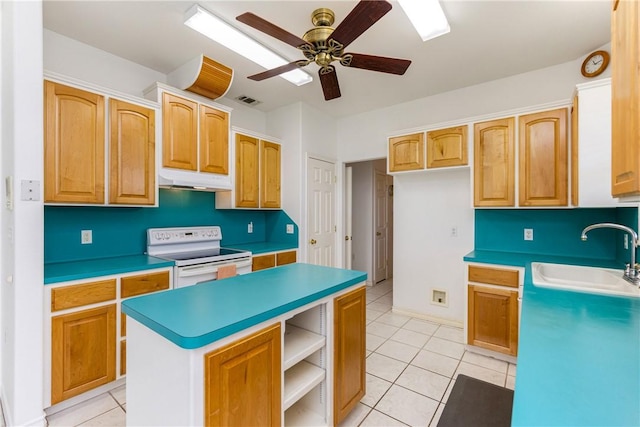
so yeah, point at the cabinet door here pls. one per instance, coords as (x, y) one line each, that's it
(74, 131)
(132, 148)
(494, 163)
(283, 258)
(269, 175)
(179, 132)
(349, 352)
(243, 381)
(406, 152)
(625, 86)
(493, 319)
(246, 186)
(214, 141)
(83, 351)
(447, 147)
(543, 158)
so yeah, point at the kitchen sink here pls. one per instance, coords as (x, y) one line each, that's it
(582, 279)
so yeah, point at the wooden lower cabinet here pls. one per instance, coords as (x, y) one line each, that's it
(349, 352)
(83, 351)
(493, 318)
(263, 261)
(243, 381)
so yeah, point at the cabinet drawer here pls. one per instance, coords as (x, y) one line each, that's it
(263, 261)
(85, 294)
(283, 258)
(144, 284)
(494, 276)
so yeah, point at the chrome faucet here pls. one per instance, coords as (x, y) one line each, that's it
(632, 270)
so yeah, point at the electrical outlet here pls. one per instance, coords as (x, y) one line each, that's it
(454, 231)
(626, 241)
(289, 228)
(528, 234)
(250, 228)
(86, 237)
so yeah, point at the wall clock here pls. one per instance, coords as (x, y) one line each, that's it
(595, 63)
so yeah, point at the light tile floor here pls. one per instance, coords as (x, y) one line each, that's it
(412, 366)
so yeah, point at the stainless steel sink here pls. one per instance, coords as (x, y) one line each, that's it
(579, 278)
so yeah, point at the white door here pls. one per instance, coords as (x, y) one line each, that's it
(321, 208)
(348, 213)
(389, 226)
(380, 225)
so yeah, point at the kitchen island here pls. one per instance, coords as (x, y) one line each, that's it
(579, 354)
(280, 344)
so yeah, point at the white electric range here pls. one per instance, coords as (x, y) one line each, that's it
(196, 252)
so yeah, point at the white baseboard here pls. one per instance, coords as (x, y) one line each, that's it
(8, 420)
(84, 396)
(436, 319)
(494, 354)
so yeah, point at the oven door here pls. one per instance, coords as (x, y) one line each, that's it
(193, 274)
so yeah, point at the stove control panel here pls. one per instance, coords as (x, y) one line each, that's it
(161, 236)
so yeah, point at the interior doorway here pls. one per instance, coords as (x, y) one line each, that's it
(369, 195)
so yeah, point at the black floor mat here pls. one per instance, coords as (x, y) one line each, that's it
(477, 403)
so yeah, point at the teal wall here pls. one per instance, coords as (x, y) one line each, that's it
(555, 231)
(121, 231)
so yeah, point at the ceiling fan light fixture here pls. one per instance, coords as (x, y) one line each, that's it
(221, 32)
(427, 17)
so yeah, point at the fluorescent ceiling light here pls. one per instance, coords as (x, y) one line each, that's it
(427, 17)
(219, 31)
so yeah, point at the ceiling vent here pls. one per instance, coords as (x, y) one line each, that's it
(248, 100)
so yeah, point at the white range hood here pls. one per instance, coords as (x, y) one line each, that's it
(173, 178)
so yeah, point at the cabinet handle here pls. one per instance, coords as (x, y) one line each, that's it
(313, 241)
(378, 233)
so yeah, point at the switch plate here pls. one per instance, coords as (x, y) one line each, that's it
(86, 237)
(250, 228)
(289, 228)
(29, 190)
(454, 231)
(626, 241)
(528, 234)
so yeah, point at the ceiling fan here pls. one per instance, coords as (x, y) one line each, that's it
(324, 44)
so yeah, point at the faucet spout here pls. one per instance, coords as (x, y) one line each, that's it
(632, 273)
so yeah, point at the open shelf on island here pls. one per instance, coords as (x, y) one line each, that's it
(300, 343)
(299, 379)
(299, 415)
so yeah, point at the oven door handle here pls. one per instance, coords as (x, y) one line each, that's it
(186, 272)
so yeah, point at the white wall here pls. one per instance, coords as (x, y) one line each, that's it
(427, 205)
(22, 287)
(362, 220)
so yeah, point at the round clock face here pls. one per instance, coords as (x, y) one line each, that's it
(595, 63)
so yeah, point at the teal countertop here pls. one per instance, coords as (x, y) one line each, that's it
(579, 353)
(86, 269)
(195, 316)
(262, 247)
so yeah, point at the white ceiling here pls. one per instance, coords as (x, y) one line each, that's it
(488, 40)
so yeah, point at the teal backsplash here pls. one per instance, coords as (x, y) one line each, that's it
(119, 231)
(555, 231)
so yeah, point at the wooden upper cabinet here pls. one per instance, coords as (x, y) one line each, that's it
(269, 175)
(625, 96)
(179, 132)
(214, 140)
(543, 158)
(246, 186)
(406, 152)
(132, 148)
(447, 147)
(494, 163)
(74, 132)
(242, 384)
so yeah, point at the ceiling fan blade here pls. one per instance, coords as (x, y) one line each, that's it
(329, 81)
(377, 63)
(273, 30)
(278, 70)
(365, 14)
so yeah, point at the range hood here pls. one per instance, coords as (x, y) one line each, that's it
(199, 181)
